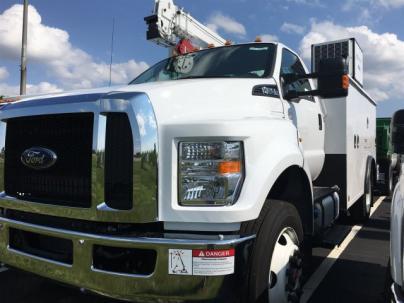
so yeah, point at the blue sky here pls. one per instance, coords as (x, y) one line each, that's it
(80, 33)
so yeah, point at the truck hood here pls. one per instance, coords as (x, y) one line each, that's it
(206, 99)
(195, 99)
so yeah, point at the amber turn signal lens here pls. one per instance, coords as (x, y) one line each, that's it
(345, 82)
(229, 167)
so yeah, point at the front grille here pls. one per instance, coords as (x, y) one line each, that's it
(68, 181)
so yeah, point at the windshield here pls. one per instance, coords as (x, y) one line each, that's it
(237, 61)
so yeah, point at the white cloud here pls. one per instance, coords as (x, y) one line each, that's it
(152, 121)
(141, 121)
(370, 11)
(3, 73)
(390, 3)
(218, 21)
(307, 2)
(292, 28)
(378, 94)
(69, 65)
(383, 59)
(32, 89)
(268, 38)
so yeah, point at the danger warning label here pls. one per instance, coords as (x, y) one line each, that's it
(199, 262)
(218, 253)
(212, 262)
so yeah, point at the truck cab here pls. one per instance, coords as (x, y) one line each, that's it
(211, 169)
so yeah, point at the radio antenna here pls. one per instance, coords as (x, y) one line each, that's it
(112, 50)
(23, 68)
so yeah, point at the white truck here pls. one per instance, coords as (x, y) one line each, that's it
(208, 177)
(397, 213)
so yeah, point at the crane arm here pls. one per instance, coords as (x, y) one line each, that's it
(170, 24)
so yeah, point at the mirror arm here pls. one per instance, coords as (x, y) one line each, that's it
(295, 95)
(314, 92)
(290, 78)
(309, 76)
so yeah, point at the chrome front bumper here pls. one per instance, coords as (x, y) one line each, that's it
(158, 286)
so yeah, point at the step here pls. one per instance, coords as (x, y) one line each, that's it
(334, 236)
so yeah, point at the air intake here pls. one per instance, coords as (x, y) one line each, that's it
(118, 162)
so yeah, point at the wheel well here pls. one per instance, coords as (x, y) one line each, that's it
(293, 186)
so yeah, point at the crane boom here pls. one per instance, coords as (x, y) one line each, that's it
(169, 24)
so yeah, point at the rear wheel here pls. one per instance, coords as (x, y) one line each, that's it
(387, 187)
(361, 210)
(276, 262)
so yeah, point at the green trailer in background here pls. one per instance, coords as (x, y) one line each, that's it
(387, 160)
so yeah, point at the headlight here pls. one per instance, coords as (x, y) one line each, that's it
(210, 173)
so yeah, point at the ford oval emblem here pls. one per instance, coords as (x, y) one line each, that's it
(38, 158)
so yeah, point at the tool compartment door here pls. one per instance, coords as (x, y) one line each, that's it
(360, 140)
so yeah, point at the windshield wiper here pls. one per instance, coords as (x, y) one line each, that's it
(201, 77)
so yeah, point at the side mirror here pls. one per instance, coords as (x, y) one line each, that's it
(333, 80)
(397, 134)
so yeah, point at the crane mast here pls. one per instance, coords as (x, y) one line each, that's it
(170, 26)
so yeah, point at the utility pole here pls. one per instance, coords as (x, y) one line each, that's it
(23, 79)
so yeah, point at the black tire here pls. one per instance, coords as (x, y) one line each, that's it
(387, 293)
(274, 218)
(360, 211)
(389, 182)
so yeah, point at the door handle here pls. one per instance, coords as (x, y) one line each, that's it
(320, 122)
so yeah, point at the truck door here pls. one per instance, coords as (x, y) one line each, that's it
(305, 113)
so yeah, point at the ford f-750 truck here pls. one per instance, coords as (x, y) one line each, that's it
(208, 177)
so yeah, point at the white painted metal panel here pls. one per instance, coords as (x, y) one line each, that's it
(360, 141)
(335, 125)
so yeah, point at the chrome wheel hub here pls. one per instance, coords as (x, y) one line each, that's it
(368, 197)
(285, 269)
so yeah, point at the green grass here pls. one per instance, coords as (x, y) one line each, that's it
(145, 183)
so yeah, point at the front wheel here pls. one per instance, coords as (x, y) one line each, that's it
(276, 267)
